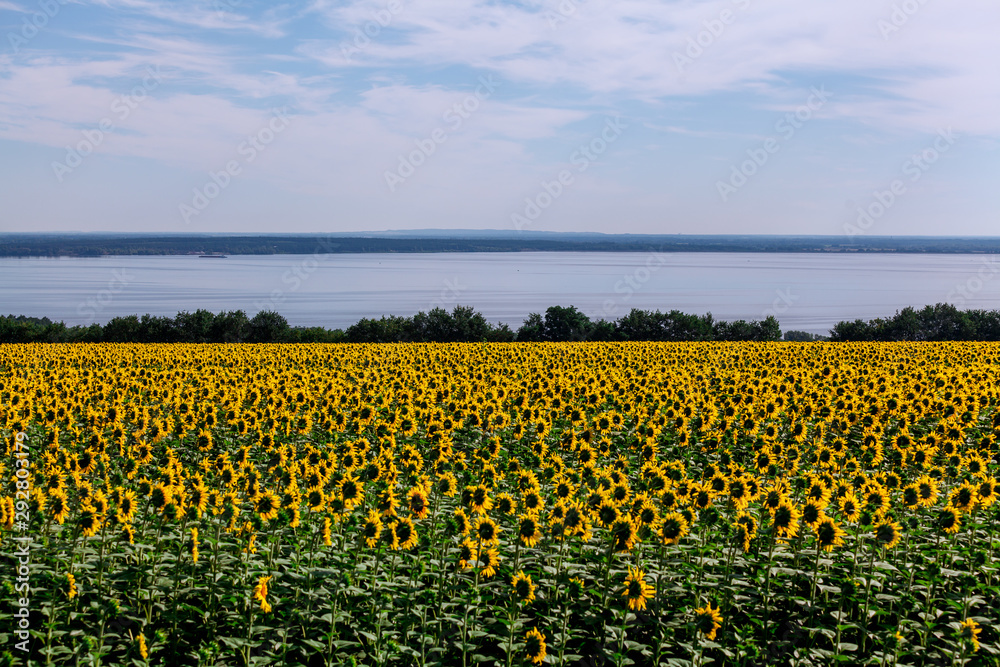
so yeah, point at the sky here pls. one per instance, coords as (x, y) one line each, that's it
(856, 117)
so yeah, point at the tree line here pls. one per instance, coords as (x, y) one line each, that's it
(940, 322)
(462, 324)
(97, 245)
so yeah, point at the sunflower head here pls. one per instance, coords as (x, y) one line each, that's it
(404, 534)
(416, 499)
(528, 530)
(466, 554)
(535, 646)
(624, 534)
(673, 527)
(260, 594)
(489, 560)
(89, 521)
(461, 520)
(607, 513)
(647, 514)
(486, 530)
(637, 591)
(887, 533)
(742, 537)
(828, 534)
(505, 503)
(371, 528)
(316, 499)
(986, 492)
(708, 620)
(812, 512)
(850, 509)
(969, 630)
(963, 497)
(786, 520)
(267, 506)
(446, 484)
(524, 588)
(949, 520)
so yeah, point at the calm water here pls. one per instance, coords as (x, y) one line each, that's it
(810, 292)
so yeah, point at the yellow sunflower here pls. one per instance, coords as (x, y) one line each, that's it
(708, 620)
(535, 646)
(523, 587)
(637, 591)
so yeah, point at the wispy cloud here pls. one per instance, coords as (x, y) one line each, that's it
(631, 47)
(700, 81)
(221, 15)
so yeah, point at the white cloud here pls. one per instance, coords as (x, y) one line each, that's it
(939, 62)
(222, 15)
(226, 64)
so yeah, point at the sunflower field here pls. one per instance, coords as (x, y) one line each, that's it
(500, 504)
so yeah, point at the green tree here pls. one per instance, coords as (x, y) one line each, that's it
(122, 329)
(532, 330)
(229, 327)
(194, 327)
(566, 324)
(267, 326)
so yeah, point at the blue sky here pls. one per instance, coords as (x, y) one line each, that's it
(860, 117)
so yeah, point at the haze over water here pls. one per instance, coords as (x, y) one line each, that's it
(809, 292)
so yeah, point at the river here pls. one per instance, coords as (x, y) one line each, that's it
(809, 292)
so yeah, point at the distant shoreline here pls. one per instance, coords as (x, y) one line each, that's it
(435, 241)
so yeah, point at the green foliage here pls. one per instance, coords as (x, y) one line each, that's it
(939, 322)
(462, 325)
(802, 336)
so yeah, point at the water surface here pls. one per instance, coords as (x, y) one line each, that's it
(809, 292)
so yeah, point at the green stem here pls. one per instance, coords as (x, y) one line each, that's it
(868, 589)
(563, 639)
(607, 573)
(475, 594)
(657, 604)
(333, 628)
(812, 593)
(767, 592)
(621, 639)
(510, 637)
